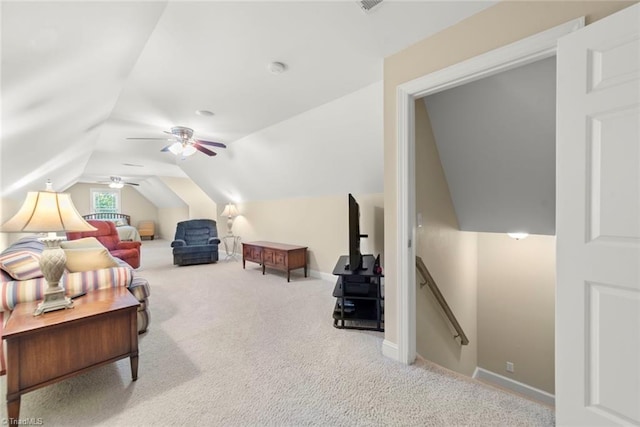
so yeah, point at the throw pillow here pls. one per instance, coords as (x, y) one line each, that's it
(88, 259)
(85, 242)
(120, 222)
(21, 265)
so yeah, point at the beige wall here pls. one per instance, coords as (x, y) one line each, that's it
(494, 27)
(200, 205)
(132, 202)
(451, 257)
(321, 223)
(516, 307)
(167, 220)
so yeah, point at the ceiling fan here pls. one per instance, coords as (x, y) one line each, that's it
(117, 182)
(184, 144)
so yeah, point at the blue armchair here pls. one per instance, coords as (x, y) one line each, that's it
(196, 242)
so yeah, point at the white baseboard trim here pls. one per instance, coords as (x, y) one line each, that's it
(390, 350)
(322, 275)
(516, 386)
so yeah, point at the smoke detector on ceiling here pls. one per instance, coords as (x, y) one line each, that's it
(369, 5)
(277, 67)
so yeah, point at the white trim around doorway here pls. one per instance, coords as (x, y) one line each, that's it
(522, 52)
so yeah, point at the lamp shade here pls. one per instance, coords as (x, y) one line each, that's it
(47, 211)
(230, 210)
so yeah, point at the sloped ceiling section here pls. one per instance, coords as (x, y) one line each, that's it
(80, 78)
(63, 67)
(496, 140)
(334, 148)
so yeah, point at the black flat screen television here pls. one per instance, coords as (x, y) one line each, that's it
(355, 257)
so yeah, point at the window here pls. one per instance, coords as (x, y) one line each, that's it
(107, 200)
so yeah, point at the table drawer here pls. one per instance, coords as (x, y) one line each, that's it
(280, 259)
(268, 257)
(252, 253)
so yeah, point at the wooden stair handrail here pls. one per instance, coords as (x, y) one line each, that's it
(424, 272)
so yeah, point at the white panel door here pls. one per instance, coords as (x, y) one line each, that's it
(598, 223)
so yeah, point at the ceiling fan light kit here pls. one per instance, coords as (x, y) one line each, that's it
(184, 144)
(117, 182)
(188, 150)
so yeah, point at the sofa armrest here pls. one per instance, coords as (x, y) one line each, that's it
(17, 291)
(178, 243)
(128, 245)
(213, 241)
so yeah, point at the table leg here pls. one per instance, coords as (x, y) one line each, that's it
(288, 274)
(13, 380)
(305, 270)
(134, 367)
(13, 410)
(133, 322)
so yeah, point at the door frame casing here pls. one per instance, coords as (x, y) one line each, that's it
(533, 48)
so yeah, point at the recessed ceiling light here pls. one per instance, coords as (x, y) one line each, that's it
(205, 113)
(277, 67)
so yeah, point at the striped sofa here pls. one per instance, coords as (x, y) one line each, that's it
(21, 281)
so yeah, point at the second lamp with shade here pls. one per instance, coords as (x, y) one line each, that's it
(230, 211)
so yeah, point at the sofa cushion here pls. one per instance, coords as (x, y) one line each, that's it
(21, 265)
(85, 242)
(87, 259)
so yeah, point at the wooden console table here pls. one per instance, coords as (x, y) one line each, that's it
(278, 256)
(41, 350)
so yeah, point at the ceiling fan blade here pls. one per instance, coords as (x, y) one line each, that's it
(215, 144)
(204, 150)
(132, 183)
(165, 149)
(155, 139)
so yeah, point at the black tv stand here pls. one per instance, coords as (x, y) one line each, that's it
(359, 297)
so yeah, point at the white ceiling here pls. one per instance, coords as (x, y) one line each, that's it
(496, 140)
(78, 78)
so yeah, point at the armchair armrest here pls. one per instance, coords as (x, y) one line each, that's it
(213, 241)
(178, 243)
(128, 245)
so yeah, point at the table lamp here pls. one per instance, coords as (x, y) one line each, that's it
(230, 211)
(49, 212)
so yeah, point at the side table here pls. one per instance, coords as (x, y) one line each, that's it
(231, 247)
(41, 350)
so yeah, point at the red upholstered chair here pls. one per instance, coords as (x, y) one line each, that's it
(107, 234)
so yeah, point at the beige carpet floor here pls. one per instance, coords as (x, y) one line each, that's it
(231, 347)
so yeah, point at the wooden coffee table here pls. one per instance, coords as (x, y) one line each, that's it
(279, 256)
(42, 350)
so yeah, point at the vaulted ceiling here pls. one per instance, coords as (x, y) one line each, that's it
(79, 78)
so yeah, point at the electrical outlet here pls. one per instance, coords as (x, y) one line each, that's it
(509, 366)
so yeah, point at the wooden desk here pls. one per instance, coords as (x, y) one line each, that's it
(278, 256)
(42, 350)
